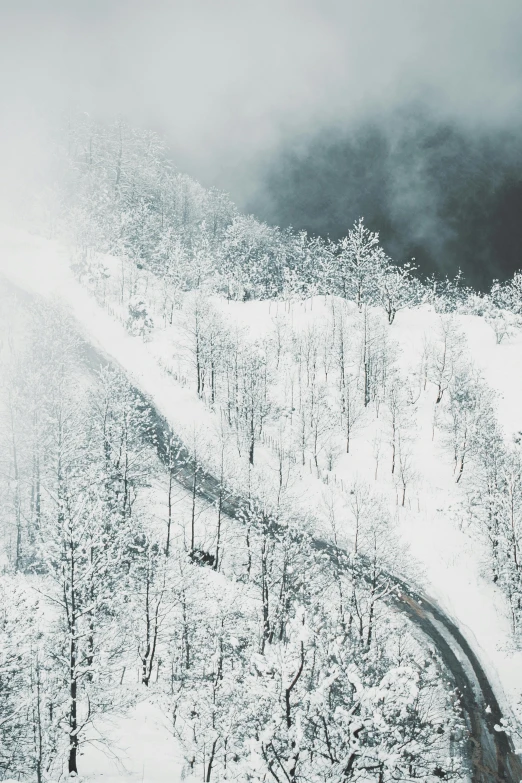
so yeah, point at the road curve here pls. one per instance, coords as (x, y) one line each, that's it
(491, 755)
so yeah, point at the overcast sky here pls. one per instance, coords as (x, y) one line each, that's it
(230, 77)
(232, 82)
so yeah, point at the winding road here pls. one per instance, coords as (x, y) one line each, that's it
(491, 755)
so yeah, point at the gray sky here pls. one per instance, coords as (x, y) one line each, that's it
(226, 80)
(237, 85)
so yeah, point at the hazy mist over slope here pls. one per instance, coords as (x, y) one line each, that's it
(447, 197)
(309, 113)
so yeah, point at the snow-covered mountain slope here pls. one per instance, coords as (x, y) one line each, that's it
(442, 552)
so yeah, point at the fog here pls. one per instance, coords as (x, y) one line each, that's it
(267, 98)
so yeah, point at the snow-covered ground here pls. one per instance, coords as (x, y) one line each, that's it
(138, 748)
(445, 559)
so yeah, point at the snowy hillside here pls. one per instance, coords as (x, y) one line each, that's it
(326, 412)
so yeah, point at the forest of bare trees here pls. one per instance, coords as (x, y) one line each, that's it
(270, 661)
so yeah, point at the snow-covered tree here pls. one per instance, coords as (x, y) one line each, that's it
(359, 261)
(397, 288)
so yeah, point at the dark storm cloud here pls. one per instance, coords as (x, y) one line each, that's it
(239, 86)
(436, 191)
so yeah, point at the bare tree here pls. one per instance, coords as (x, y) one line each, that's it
(445, 355)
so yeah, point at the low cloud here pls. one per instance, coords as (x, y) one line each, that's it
(236, 84)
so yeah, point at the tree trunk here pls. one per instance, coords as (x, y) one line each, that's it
(211, 761)
(294, 758)
(264, 593)
(73, 688)
(252, 439)
(38, 727)
(152, 625)
(169, 518)
(198, 365)
(193, 514)
(218, 535)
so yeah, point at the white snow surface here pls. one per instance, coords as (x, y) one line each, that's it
(139, 749)
(449, 562)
